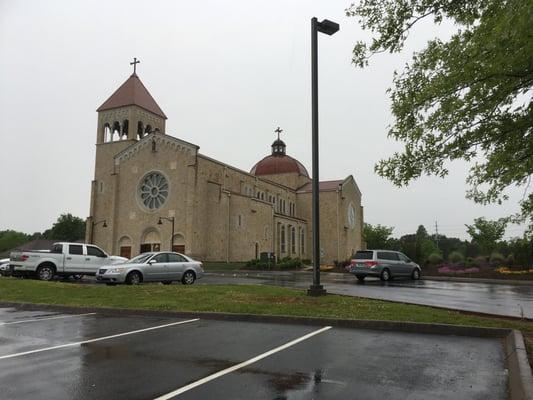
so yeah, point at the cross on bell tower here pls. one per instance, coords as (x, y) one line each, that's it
(134, 63)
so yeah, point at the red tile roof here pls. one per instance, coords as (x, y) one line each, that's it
(278, 165)
(323, 186)
(132, 92)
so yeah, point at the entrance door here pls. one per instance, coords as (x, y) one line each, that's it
(147, 247)
(125, 251)
(178, 248)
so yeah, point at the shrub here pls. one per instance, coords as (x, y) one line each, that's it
(510, 260)
(496, 259)
(469, 263)
(435, 258)
(288, 263)
(306, 261)
(456, 257)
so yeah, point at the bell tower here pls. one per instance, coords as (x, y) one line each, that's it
(127, 116)
(130, 113)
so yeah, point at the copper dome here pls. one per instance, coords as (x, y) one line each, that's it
(278, 165)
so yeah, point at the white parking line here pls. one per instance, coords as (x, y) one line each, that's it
(239, 366)
(61, 346)
(44, 319)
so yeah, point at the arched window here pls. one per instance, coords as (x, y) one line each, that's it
(108, 136)
(140, 129)
(116, 131)
(125, 128)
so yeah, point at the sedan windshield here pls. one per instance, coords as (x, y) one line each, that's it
(141, 258)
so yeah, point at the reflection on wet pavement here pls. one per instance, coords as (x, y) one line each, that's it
(497, 299)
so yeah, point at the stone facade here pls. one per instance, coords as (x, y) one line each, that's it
(146, 179)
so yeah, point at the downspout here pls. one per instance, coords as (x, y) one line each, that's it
(228, 235)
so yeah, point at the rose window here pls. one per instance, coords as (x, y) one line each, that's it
(153, 190)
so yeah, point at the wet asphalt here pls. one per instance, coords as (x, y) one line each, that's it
(338, 363)
(496, 299)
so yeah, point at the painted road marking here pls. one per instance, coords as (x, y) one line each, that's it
(61, 346)
(239, 366)
(44, 319)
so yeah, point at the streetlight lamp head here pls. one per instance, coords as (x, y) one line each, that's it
(328, 27)
(159, 222)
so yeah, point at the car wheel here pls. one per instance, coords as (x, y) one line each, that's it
(416, 274)
(360, 278)
(134, 278)
(77, 277)
(385, 275)
(166, 282)
(188, 278)
(45, 273)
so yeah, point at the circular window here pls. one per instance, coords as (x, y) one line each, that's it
(153, 190)
(351, 216)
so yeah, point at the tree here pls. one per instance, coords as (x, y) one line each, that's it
(67, 227)
(466, 98)
(10, 239)
(377, 237)
(486, 233)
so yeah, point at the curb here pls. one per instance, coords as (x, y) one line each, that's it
(515, 355)
(520, 377)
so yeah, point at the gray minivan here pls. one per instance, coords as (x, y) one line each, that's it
(383, 264)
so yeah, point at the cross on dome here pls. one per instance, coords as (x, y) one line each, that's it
(278, 131)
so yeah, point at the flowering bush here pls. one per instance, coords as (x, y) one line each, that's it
(446, 269)
(507, 271)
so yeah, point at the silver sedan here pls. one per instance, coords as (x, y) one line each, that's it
(160, 266)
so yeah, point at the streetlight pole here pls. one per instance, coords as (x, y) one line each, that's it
(92, 228)
(171, 219)
(329, 28)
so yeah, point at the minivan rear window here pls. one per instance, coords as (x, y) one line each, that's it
(364, 255)
(387, 255)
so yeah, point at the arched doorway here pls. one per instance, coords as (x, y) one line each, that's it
(124, 245)
(151, 241)
(178, 243)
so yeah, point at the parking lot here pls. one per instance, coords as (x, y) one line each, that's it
(47, 355)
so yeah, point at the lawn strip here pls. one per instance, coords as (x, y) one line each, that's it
(243, 299)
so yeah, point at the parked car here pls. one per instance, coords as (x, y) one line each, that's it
(384, 264)
(159, 266)
(5, 269)
(65, 259)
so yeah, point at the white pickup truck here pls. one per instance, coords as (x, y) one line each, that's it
(65, 259)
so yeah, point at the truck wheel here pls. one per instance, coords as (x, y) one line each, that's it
(134, 278)
(45, 273)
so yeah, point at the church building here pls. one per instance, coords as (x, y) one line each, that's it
(154, 191)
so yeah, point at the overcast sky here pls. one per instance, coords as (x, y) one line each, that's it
(226, 74)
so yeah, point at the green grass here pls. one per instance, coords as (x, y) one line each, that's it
(241, 299)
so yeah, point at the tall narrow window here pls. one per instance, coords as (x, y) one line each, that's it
(293, 240)
(302, 242)
(283, 246)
